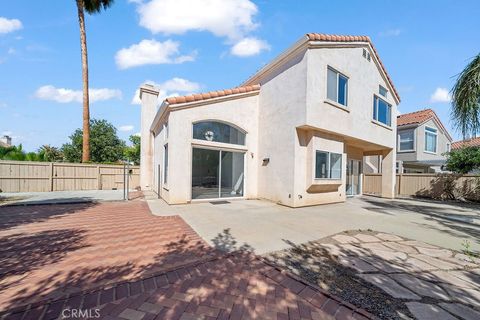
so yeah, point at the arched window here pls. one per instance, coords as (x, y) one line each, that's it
(218, 132)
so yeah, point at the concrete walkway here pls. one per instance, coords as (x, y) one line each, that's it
(265, 226)
(60, 197)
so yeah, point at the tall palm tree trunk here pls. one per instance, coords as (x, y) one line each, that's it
(86, 109)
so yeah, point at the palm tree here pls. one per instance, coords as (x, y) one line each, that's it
(466, 99)
(91, 7)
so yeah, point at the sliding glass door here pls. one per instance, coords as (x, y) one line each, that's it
(354, 171)
(217, 174)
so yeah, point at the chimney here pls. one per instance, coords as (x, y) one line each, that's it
(148, 97)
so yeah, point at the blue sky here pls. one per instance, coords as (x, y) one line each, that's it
(189, 46)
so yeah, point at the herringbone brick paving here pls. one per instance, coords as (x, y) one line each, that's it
(52, 251)
(234, 286)
(129, 264)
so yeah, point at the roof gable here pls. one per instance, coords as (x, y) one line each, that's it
(312, 38)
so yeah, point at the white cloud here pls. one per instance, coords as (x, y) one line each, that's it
(224, 18)
(440, 95)
(138, 134)
(126, 128)
(63, 95)
(11, 50)
(151, 52)
(9, 25)
(249, 47)
(7, 133)
(169, 88)
(391, 33)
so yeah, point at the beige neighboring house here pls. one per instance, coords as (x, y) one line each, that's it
(422, 142)
(294, 133)
(5, 141)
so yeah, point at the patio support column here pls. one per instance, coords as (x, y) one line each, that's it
(148, 96)
(388, 174)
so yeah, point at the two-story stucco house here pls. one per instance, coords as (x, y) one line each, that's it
(294, 133)
(422, 142)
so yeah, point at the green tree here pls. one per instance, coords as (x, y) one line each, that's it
(466, 99)
(12, 153)
(49, 153)
(463, 160)
(91, 7)
(132, 153)
(105, 145)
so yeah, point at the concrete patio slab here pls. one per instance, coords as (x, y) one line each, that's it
(266, 226)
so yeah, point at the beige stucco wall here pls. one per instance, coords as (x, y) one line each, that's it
(239, 112)
(281, 110)
(364, 79)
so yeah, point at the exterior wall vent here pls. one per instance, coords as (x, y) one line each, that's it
(366, 54)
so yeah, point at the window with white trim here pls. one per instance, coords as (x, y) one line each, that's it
(382, 111)
(430, 139)
(406, 140)
(328, 165)
(337, 87)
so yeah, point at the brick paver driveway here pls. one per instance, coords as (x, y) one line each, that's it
(119, 260)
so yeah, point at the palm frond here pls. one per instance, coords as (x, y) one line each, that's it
(466, 99)
(95, 6)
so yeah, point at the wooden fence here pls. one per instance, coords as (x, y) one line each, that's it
(428, 185)
(26, 176)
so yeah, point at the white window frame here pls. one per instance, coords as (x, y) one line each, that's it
(376, 107)
(414, 141)
(329, 172)
(337, 86)
(425, 139)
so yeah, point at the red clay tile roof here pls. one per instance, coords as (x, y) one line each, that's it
(415, 117)
(340, 38)
(419, 117)
(473, 142)
(212, 94)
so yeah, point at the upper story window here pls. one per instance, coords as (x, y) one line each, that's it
(406, 140)
(382, 111)
(382, 91)
(430, 139)
(328, 165)
(337, 86)
(218, 132)
(449, 147)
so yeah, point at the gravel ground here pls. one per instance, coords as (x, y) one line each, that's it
(313, 263)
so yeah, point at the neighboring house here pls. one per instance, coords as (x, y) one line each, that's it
(472, 142)
(422, 142)
(5, 141)
(294, 133)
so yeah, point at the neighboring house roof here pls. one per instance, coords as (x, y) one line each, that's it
(320, 37)
(3, 144)
(473, 142)
(419, 117)
(211, 94)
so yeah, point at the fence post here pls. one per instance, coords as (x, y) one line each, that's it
(400, 176)
(50, 180)
(99, 178)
